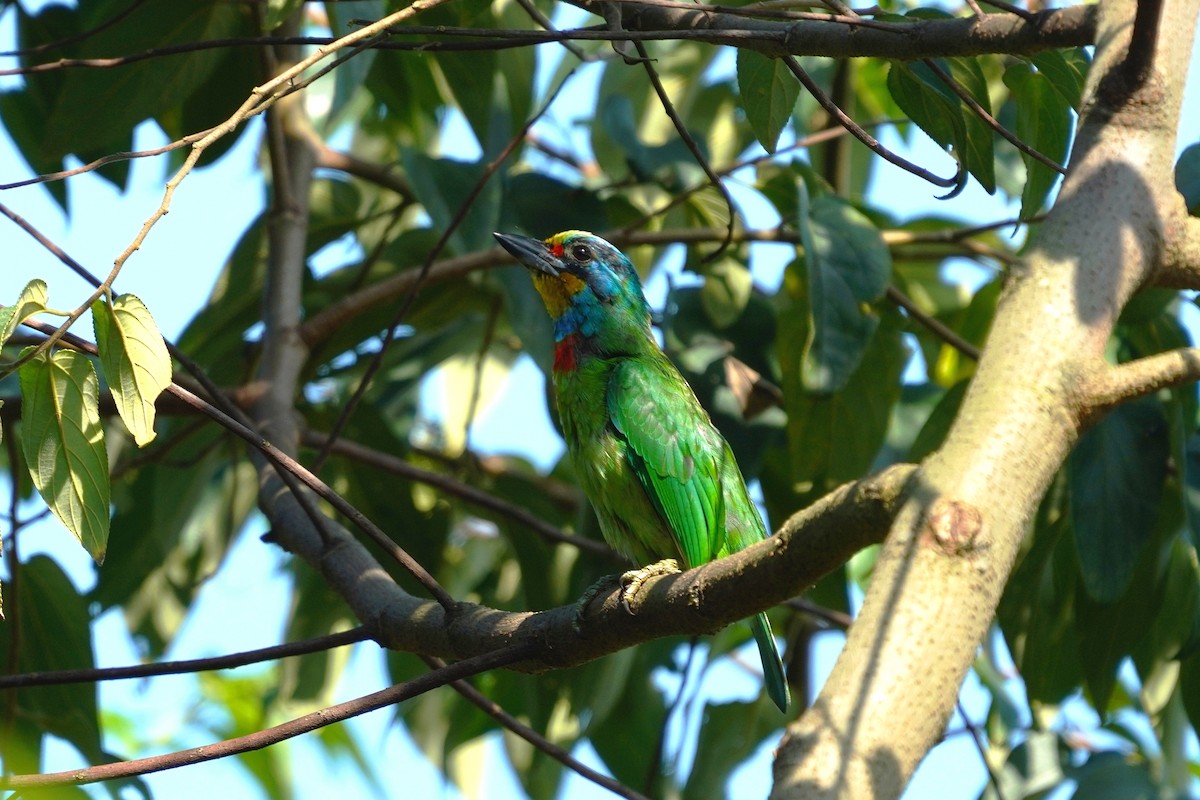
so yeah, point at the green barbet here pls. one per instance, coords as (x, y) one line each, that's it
(662, 479)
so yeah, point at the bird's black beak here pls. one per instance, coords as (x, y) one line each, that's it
(531, 252)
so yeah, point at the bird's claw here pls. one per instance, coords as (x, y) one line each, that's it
(631, 581)
(590, 594)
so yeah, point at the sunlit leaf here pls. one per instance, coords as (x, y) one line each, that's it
(63, 444)
(32, 300)
(136, 363)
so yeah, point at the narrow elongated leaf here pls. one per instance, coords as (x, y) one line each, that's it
(63, 444)
(32, 300)
(1117, 472)
(1043, 123)
(847, 266)
(769, 93)
(136, 362)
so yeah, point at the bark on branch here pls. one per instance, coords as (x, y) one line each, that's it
(807, 546)
(967, 36)
(951, 549)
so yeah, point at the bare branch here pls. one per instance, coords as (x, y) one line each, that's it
(496, 712)
(1114, 385)
(686, 135)
(870, 141)
(936, 326)
(278, 651)
(278, 733)
(471, 494)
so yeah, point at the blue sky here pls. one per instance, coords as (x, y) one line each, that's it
(173, 273)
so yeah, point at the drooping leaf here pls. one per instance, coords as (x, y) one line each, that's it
(1043, 123)
(847, 266)
(835, 437)
(930, 102)
(63, 444)
(136, 363)
(1117, 471)
(32, 300)
(768, 92)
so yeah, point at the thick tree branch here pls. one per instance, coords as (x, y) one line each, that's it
(991, 33)
(941, 572)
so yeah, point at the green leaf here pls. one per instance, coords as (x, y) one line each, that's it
(278, 11)
(835, 437)
(90, 112)
(1117, 472)
(135, 359)
(729, 734)
(32, 300)
(444, 186)
(1114, 776)
(54, 623)
(726, 291)
(933, 105)
(1187, 178)
(847, 266)
(1043, 123)
(1066, 70)
(769, 93)
(63, 443)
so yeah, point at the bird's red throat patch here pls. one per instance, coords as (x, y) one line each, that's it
(566, 354)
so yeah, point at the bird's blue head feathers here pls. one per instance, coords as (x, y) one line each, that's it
(589, 287)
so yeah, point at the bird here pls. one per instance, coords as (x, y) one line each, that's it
(661, 478)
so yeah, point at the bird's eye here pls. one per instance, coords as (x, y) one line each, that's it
(581, 253)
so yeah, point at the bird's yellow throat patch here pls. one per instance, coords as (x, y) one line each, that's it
(557, 291)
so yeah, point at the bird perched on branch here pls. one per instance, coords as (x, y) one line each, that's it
(662, 479)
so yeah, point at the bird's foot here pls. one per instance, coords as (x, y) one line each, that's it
(590, 594)
(631, 581)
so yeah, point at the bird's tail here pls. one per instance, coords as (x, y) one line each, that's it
(776, 683)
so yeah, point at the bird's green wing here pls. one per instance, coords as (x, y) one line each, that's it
(674, 451)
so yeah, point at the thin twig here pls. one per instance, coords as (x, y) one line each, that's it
(496, 712)
(414, 288)
(68, 676)
(698, 154)
(991, 121)
(445, 483)
(935, 326)
(278, 733)
(831, 108)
